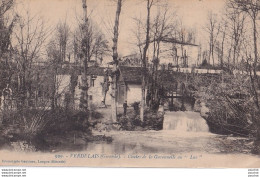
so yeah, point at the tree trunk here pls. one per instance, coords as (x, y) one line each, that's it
(53, 97)
(115, 64)
(84, 89)
(222, 49)
(255, 52)
(147, 42)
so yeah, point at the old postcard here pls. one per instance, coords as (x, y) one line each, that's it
(130, 83)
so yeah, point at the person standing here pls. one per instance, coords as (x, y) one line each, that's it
(125, 107)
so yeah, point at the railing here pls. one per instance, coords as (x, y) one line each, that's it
(195, 70)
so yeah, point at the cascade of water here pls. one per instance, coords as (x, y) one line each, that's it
(185, 122)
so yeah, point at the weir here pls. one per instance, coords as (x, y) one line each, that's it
(185, 122)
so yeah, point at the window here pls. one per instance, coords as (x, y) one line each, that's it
(92, 82)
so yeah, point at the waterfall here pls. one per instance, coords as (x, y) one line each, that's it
(185, 122)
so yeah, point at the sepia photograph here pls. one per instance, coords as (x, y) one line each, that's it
(130, 83)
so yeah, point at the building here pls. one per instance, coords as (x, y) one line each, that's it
(97, 94)
(129, 85)
(99, 81)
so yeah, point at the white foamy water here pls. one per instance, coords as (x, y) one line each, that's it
(184, 122)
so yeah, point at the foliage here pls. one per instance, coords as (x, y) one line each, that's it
(45, 128)
(25, 123)
(152, 121)
(135, 105)
(230, 104)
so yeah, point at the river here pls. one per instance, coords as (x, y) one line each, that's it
(182, 132)
(185, 141)
(185, 134)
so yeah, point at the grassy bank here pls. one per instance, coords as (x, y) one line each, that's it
(48, 130)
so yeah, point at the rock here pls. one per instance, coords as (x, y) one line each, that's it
(204, 110)
(161, 109)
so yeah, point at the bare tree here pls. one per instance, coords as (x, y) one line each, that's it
(138, 33)
(6, 26)
(149, 4)
(115, 72)
(85, 54)
(89, 43)
(6, 30)
(162, 27)
(62, 38)
(29, 38)
(235, 33)
(222, 42)
(252, 9)
(57, 52)
(213, 29)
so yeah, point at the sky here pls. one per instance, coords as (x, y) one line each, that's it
(192, 12)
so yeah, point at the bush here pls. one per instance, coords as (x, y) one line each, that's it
(29, 122)
(135, 105)
(231, 109)
(36, 126)
(63, 121)
(153, 120)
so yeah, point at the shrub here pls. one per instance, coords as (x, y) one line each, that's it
(153, 120)
(135, 105)
(63, 121)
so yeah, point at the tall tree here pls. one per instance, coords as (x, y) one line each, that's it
(149, 4)
(57, 52)
(29, 36)
(62, 38)
(213, 30)
(85, 52)
(6, 30)
(162, 27)
(89, 43)
(115, 72)
(236, 32)
(252, 9)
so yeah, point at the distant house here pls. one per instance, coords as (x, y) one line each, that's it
(129, 85)
(96, 91)
(70, 80)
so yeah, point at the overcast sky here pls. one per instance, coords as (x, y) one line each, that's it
(193, 13)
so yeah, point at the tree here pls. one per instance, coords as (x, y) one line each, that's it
(213, 30)
(62, 38)
(6, 30)
(236, 33)
(149, 4)
(252, 8)
(89, 42)
(57, 52)
(115, 71)
(29, 36)
(222, 42)
(162, 27)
